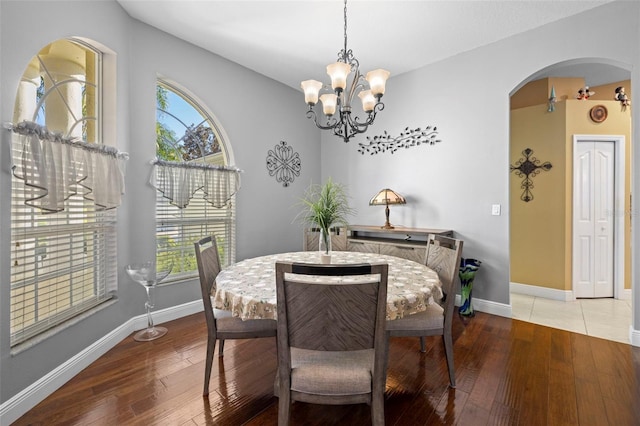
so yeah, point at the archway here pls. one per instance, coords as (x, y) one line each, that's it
(541, 249)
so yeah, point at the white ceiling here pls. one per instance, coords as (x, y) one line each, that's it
(291, 41)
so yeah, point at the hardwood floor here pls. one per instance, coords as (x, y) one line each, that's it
(508, 372)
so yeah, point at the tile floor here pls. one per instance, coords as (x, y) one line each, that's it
(605, 318)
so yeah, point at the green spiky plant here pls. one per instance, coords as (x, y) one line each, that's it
(325, 206)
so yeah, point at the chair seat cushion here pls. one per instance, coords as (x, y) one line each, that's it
(230, 324)
(430, 319)
(331, 373)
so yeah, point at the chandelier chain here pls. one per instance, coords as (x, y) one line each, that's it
(345, 27)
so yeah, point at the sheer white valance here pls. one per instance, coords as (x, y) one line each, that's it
(178, 182)
(54, 168)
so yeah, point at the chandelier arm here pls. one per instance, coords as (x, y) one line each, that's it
(311, 113)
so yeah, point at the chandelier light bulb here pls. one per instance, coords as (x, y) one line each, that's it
(377, 80)
(368, 100)
(329, 102)
(311, 90)
(338, 72)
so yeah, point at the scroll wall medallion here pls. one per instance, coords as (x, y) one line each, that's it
(407, 139)
(283, 163)
(527, 168)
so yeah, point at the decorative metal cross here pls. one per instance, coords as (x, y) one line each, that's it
(283, 163)
(527, 168)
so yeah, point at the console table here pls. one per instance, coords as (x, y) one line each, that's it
(407, 243)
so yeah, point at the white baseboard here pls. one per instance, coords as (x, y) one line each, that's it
(626, 294)
(488, 306)
(12, 409)
(634, 336)
(544, 292)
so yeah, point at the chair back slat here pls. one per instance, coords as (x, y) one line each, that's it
(443, 256)
(208, 261)
(331, 316)
(347, 322)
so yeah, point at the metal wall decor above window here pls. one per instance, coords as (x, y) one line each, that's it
(527, 168)
(283, 163)
(407, 139)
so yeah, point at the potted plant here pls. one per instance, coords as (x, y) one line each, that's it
(325, 206)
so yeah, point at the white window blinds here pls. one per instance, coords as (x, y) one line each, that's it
(63, 259)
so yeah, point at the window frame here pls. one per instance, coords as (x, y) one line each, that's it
(226, 217)
(91, 233)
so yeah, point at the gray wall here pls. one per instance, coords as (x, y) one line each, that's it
(454, 183)
(264, 207)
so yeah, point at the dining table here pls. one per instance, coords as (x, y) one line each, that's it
(248, 288)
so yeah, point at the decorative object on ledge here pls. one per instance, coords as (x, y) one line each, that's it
(54, 167)
(339, 99)
(384, 198)
(467, 273)
(598, 113)
(552, 100)
(527, 168)
(283, 163)
(407, 139)
(179, 181)
(584, 94)
(622, 98)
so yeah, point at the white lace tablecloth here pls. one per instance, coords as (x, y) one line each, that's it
(248, 288)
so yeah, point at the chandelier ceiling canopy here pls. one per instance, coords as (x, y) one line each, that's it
(337, 102)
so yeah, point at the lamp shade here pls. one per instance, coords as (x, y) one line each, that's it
(377, 81)
(311, 89)
(338, 72)
(329, 103)
(368, 100)
(387, 196)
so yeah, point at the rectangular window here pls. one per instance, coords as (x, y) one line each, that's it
(61, 263)
(177, 230)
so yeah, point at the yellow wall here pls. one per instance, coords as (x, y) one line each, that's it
(607, 92)
(541, 230)
(537, 227)
(537, 92)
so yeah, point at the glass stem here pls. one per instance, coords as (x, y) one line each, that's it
(149, 304)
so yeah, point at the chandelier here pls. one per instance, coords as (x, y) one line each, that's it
(336, 105)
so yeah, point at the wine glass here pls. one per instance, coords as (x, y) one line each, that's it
(147, 275)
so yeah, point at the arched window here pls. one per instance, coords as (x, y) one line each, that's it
(187, 134)
(63, 255)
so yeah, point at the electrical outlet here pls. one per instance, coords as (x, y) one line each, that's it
(495, 209)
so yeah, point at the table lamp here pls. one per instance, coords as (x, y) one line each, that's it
(386, 197)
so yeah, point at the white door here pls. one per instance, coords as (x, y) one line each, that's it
(593, 243)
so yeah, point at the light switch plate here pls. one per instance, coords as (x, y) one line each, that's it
(495, 209)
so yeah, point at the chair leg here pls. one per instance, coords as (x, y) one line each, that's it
(423, 348)
(284, 407)
(221, 346)
(377, 409)
(211, 346)
(448, 350)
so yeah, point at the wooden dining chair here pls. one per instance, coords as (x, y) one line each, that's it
(443, 256)
(332, 347)
(220, 324)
